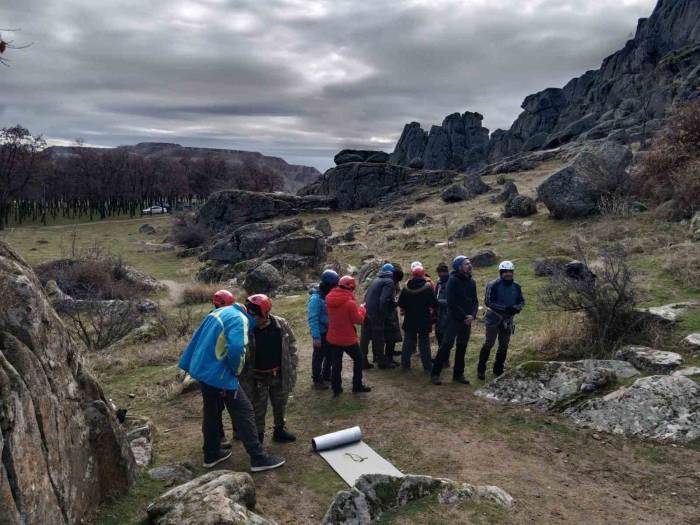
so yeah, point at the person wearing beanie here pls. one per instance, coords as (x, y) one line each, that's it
(504, 300)
(317, 316)
(443, 273)
(392, 327)
(343, 315)
(462, 307)
(380, 304)
(417, 299)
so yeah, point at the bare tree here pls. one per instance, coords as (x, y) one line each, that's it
(9, 44)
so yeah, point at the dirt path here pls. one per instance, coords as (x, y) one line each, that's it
(175, 292)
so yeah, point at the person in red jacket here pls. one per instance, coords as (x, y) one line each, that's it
(343, 315)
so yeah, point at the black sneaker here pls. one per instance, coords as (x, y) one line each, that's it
(336, 393)
(461, 380)
(215, 459)
(265, 461)
(435, 380)
(367, 366)
(361, 389)
(225, 444)
(446, 365)
(282, 436)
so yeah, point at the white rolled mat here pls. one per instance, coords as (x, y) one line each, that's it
(351, 457)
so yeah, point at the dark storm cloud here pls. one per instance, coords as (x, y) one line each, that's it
(295, 78)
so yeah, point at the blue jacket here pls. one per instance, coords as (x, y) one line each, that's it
(379, 299)
(216, 354)
(317, 315)
(460, 293)
(499, 297)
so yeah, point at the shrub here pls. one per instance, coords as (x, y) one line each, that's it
(104, 323)
(671, 170)
(199, 293)
(184, 322)
(561, 337)
(606, 301)
(188, 233)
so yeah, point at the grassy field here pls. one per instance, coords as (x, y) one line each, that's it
(557, 473)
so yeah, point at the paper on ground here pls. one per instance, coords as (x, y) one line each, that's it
(351, 457)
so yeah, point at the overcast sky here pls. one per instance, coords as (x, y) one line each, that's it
(294, 78)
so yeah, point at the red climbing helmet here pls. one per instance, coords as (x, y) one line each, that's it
(223, 298)
(347, 282)
(259, 303)
(418, 271)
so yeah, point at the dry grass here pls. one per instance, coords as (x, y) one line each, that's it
(199, 293)
(559, 337)
(683, 265)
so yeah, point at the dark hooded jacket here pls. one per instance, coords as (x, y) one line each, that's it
(416, 299)
(379, 299)
(441, 297)
(461, 296)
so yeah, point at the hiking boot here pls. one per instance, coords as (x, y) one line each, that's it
(225, 444)
(386, 365)
(361, 389)
(265, 461)
(435, 380)
(282, 436)
(321, 385)
(214, 459)
(461, 380)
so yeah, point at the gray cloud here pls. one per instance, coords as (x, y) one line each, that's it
(295, 78)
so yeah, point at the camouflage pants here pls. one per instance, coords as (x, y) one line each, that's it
(261, 388)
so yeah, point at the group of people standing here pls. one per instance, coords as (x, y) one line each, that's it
(245, 357)
(451, 305)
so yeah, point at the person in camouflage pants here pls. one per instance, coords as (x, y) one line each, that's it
(270, 371)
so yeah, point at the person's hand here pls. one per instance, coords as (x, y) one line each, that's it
(363, 310)
(468, 320)
(317, 343)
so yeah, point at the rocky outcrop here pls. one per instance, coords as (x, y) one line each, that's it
(632, 91)
(262, 279)
(547, 384)
(63, 451)
(355, 155)
(548, 266)
(362, 184)
(649, 359)
(575, 190)
(460, 142)
(663, 408)
(229, 208)
(519, 206)
(668, 313)
(217, 498)
(468, 188)
(374, 494)
(509, 190)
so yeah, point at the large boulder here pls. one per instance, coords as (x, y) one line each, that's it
(509, 190)
(355, 155)
(520, 206)
(321, 225)
(668, 313)
(575, 190)
(229, 208)
(483, 259)
(304, 243)
(63, 451)
(547, 384)
(216, 498)
(374, 494)
(649, 359)
(663, 408)
(548, 266)
(470, 187)
(264, 278)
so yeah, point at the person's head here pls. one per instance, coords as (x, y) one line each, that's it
(397, 274)
(416, 264)
(462, 264)
(419, 272)
(222, 298)
(442, 270)
(329, 280)
(506, 269)
(259, 306)
(347, 282)
(388, 267)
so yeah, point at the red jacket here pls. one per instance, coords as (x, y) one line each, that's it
(343, 315)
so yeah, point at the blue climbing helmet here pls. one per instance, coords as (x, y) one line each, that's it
(388, 267)
(458, 262)
(330, 277)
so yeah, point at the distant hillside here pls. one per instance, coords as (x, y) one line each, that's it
(294, 176)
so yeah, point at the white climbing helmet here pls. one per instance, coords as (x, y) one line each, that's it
(416, 264)
(507, 266)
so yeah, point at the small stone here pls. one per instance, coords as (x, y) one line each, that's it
(693, 340)
(596, 437)
(132, 396)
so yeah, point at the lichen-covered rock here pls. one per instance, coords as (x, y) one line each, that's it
(321, 225)
(262, 279)
(691, 371)
(483, 259)
(519, 206)
(509, 189)
(669, 313)
(692, 340)
(217, 498)
(546, 384)
(374, 494)
(172, 473)
(649, 359)
(63, 451)
(548, 266)
(55, 294)
(663, 408)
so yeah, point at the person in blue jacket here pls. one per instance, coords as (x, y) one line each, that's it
(215, 356)
(462, 307)
(317, 315)
(504, 300)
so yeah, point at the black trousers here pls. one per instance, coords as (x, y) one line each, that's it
(412, 337)
(373, 330)
(242, 414)
(321, 362)
(503, 335)
(337, 369)
(454, 330)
